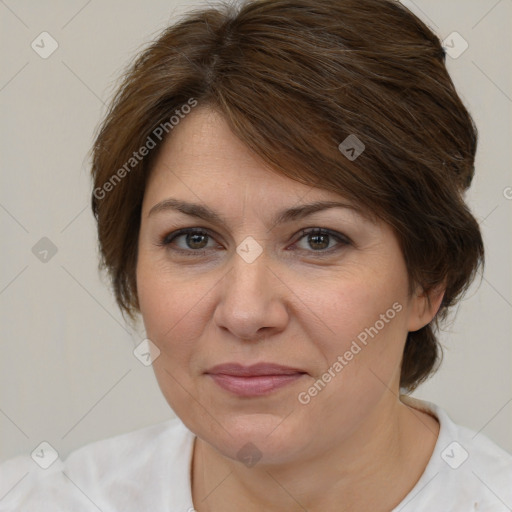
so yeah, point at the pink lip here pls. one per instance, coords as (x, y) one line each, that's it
(255, 380)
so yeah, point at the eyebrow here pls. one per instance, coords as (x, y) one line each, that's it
(205, 213)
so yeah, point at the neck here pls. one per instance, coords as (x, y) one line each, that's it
(372, 469)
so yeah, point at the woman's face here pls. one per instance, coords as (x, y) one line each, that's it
(257, 283)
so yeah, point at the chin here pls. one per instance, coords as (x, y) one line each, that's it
(256, 438)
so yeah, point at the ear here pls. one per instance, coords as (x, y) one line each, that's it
(424, 306)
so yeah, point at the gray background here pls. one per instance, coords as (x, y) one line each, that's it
(67, 372)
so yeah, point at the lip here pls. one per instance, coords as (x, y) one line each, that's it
(255, 380)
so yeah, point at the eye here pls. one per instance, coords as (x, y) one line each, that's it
(197, 241)
(189, 240)
(321, 240)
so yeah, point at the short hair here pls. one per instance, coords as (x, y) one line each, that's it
(294, 79)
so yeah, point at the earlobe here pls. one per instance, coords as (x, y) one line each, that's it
(424, 307)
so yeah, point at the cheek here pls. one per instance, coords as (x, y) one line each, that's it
(169, 308)
(166, 299)
(365, 321)
(362, 352)
(348, 305)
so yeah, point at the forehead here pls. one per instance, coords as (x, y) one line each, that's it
(203, 148)
(204, 171)
(203, 158)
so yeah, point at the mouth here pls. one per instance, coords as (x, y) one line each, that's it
(255, 380)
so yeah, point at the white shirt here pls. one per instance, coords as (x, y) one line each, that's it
(149, 470)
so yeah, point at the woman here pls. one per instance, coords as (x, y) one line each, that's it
(278, 191)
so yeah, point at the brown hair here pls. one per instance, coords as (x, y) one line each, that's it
(294, 78)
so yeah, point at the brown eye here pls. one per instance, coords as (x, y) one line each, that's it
(196, 241)
(189, 240)
(318, 242)
(321, 240)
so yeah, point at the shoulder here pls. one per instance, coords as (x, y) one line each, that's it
(124, 472)
(466, 472)
(488, 467)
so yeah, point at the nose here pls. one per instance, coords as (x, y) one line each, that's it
(252, 300)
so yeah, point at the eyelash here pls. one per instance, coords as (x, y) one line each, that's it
(166, 240)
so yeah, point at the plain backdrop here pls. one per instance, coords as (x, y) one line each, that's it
(67, 372)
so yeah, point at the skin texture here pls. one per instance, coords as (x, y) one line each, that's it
(300, 303)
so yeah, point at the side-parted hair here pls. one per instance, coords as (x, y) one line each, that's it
(294, 79)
